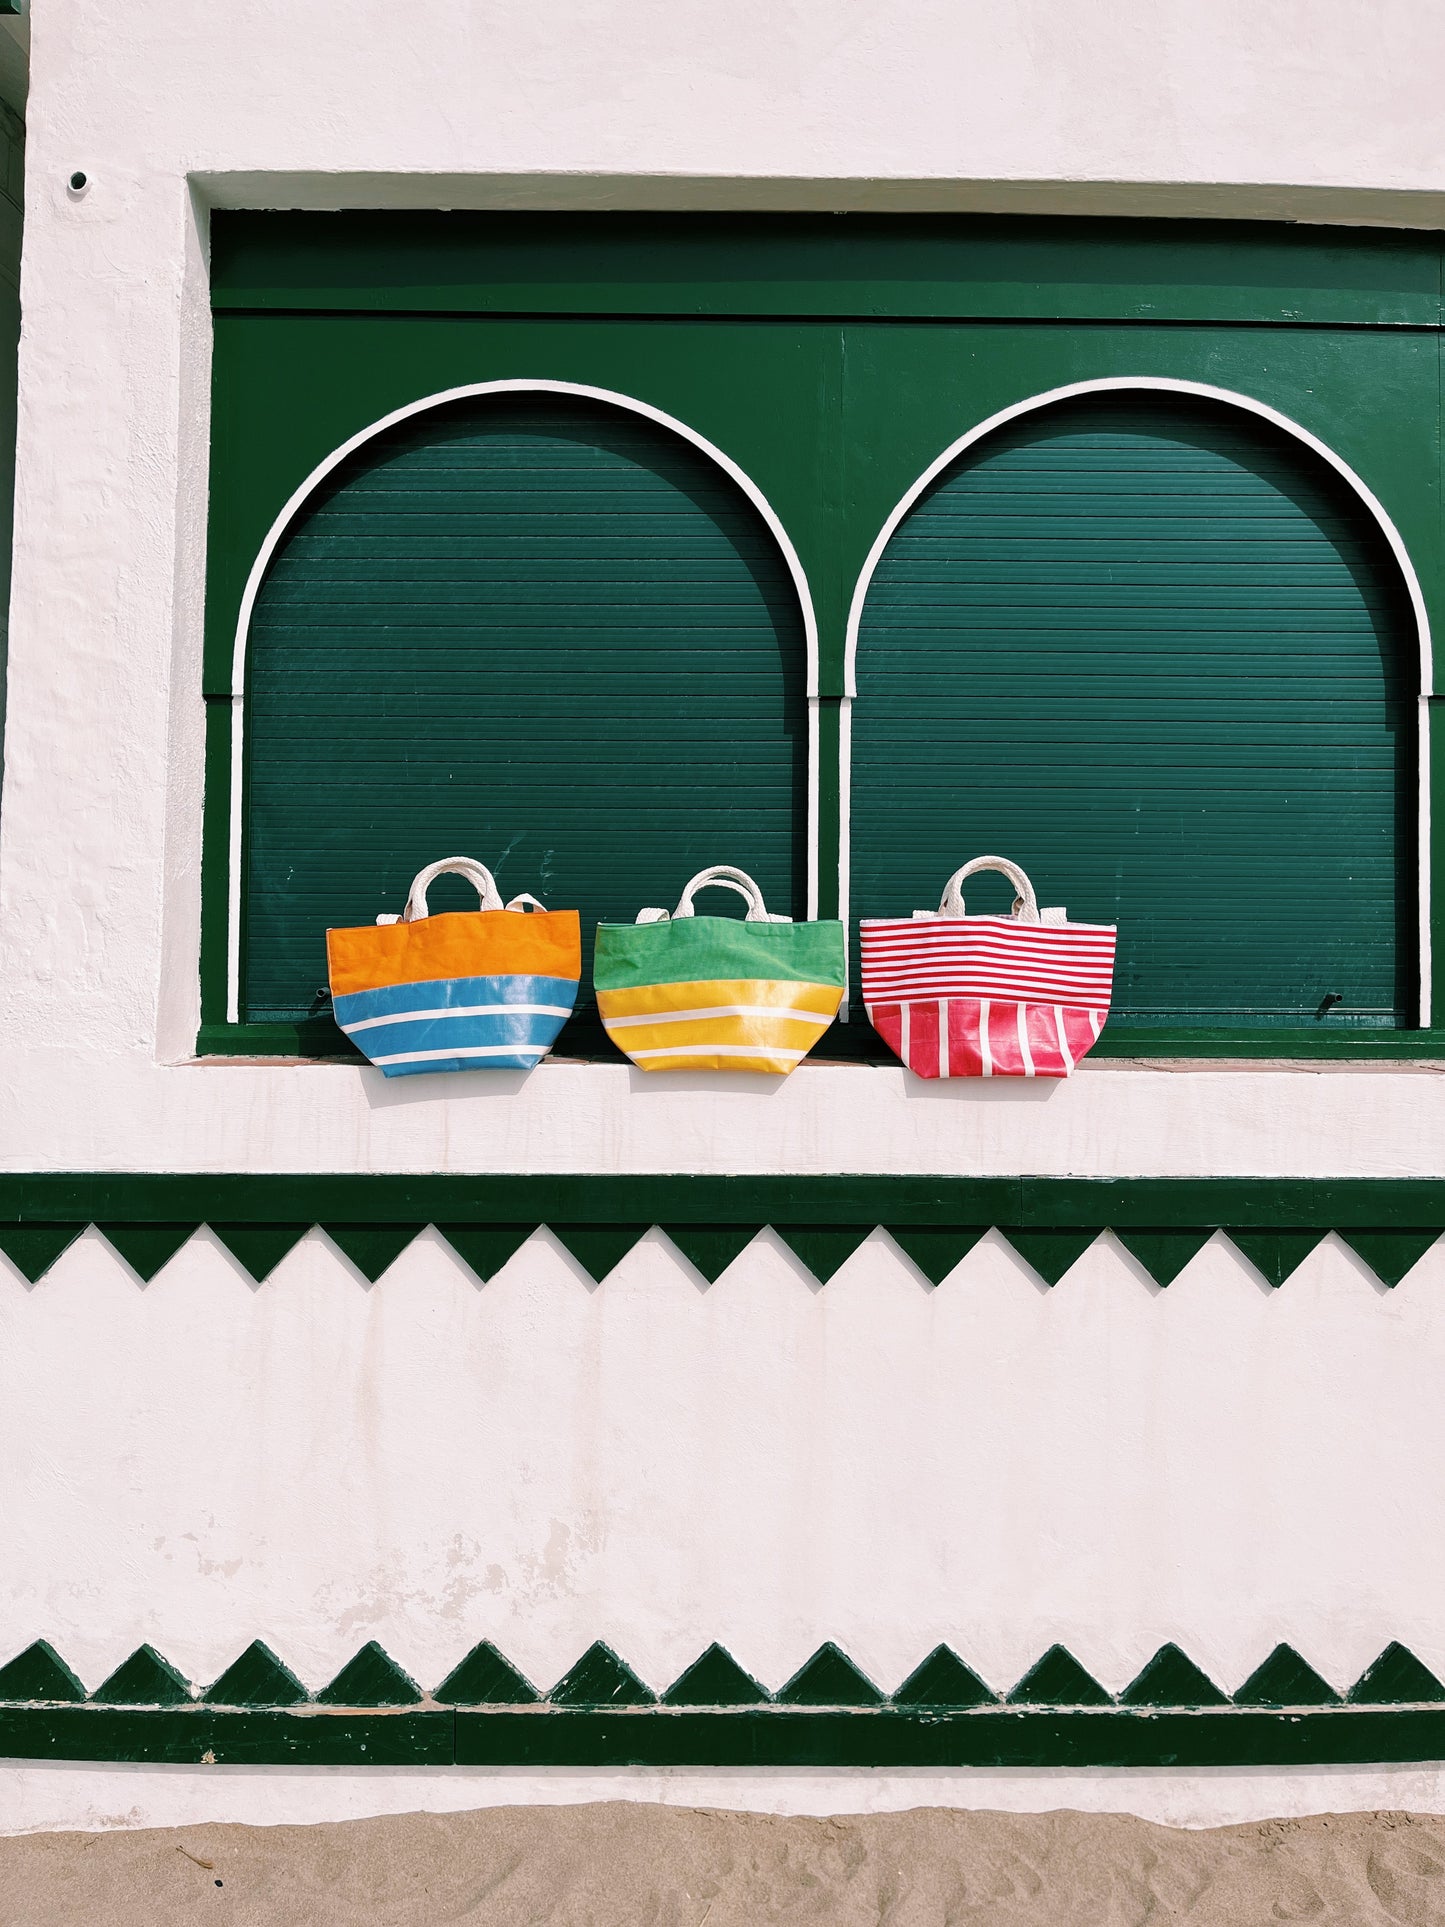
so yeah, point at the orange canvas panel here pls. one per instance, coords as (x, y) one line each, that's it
(458, 943)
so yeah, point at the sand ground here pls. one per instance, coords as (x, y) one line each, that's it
(620, 1864)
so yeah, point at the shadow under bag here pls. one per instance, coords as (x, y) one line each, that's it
(468, 990)
(957, 996)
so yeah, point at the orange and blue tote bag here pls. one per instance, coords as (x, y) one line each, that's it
(684, 992)
(957, 996)
(484, 989)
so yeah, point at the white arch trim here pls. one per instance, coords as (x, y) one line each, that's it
(1116, 384)
(470, 390)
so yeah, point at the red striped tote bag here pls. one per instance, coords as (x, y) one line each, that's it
(957, 996)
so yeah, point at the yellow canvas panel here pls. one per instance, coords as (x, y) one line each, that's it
(722, 993)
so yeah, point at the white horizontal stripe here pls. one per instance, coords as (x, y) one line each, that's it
(998, 993)
(987, 974)
(461, 1010)
(721, 1010)
(1101, 947)
(886, 929)
(988, 947)
(988, 978)
(1084, 970)
(1034, 966)
(1090, 962)
(718, 1050)
(472, 1050)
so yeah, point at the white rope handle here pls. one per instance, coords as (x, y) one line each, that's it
(477, 874)
(1026, 904)
(720, 876)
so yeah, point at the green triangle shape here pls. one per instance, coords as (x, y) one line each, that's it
(39, 1673)
(372, 1248)
(829, 1678)
(599, 1678)
(145, 1679)
(146, 1247)
(715, 1679)
(484, 1678)
(823, 1248)
(1164, 1254)
(1059, 1680)
(598, 1248)
(486, 1247)
(1390, 1254)
(1172, 1679)
(935, 1249)
(259, 1248)
(1275, 1254)
(1286, 1680)
(711, 1248)
(34, 1248)
(257, 1678)
(1049, 1252)
(943, 1680)
(371, 1678)
(1397, 1678)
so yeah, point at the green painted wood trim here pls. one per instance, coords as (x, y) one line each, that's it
(868, 267)
(1275, 1223)
(829, 1714)
(750, 1736)
(215, 867)
(1366, 300)
(862, 1199)
(1321, 1045)
(856, 1042)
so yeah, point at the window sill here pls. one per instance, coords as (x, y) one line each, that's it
(319, 1041)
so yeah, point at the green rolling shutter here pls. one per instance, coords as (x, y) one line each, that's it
(539, 631)
(1158, 653)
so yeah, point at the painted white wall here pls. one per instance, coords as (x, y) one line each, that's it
(44, 1797)
(544, 1463)
(428, 1462)
(268, 104)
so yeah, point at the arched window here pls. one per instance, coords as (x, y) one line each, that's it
(1159, 652)
(533, 627)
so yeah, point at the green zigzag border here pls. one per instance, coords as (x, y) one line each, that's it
(829, 1713)
(935, 1221)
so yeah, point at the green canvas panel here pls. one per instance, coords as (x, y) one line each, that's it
(536, 630)
(1157, 653)
(697, 949)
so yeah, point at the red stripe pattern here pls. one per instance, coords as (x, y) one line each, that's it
(1043, 963)
(987, 996)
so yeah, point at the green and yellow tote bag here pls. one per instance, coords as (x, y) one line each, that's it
(684, 992)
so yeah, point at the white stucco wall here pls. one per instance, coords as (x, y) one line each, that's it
(172, 107)
(200, 1462)
(545, 1463)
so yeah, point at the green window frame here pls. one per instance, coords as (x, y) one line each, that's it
(1404, 684)
(834, 362)
(436, 415)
